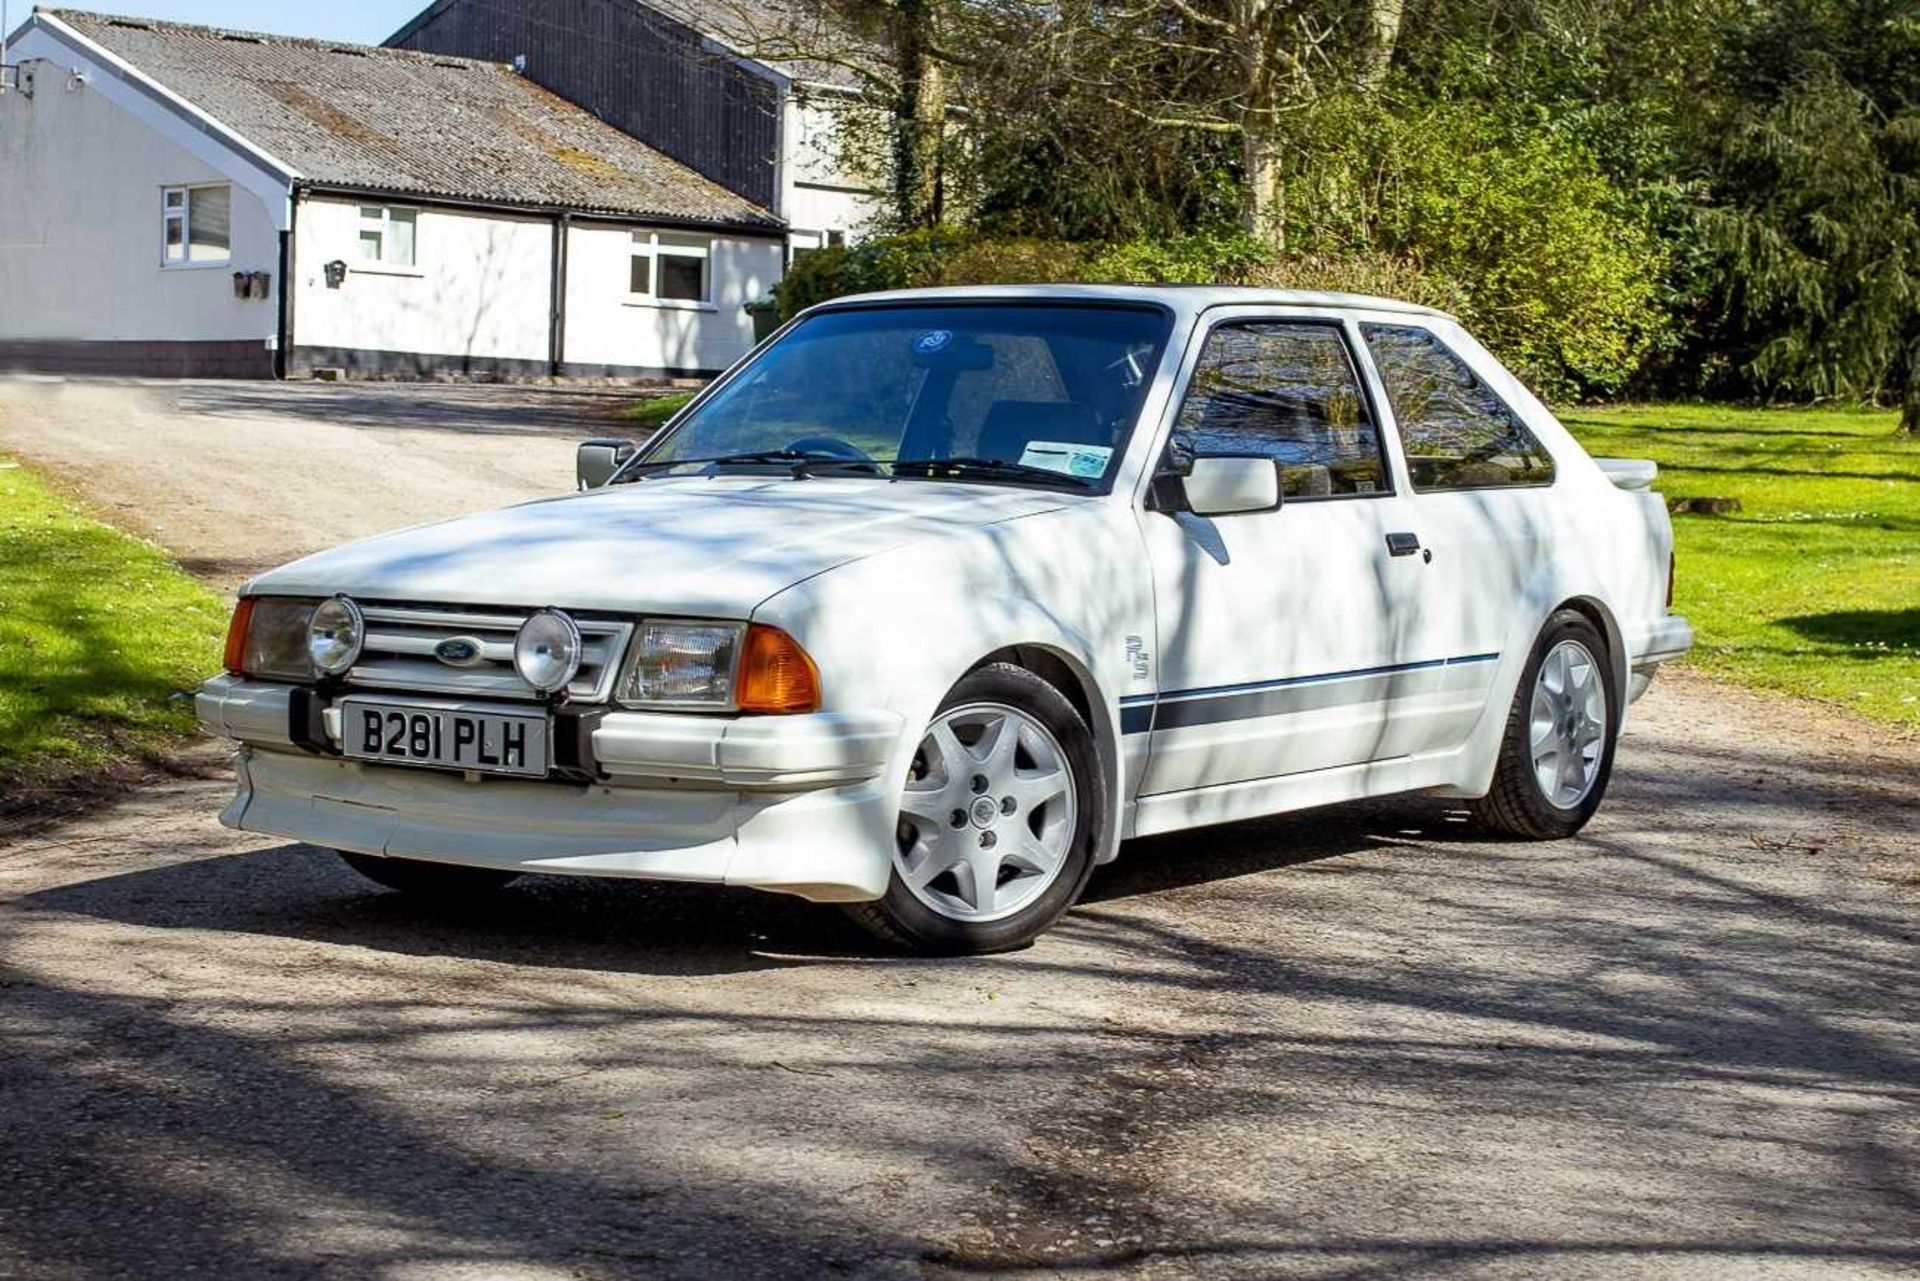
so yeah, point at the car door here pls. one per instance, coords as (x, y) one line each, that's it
(1472, 501)
(1277, 631)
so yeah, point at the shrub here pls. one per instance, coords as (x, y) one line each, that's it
(1520, 228)
(889, 262)
(1514, 235)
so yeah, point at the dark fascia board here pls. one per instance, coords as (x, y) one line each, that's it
(378, 195)
(416, 22)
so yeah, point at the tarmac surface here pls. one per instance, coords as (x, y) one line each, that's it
(1350, 1043)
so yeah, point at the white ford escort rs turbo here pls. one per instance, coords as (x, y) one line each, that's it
(935, 599)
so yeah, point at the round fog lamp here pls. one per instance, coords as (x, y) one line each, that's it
(334, 635)
(546, 653)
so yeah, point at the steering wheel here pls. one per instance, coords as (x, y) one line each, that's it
(830, 447)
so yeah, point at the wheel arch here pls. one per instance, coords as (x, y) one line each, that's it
(1068, 674)
(1544, 601)
(1618, 662)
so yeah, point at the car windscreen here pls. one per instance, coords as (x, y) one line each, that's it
(1032, 388)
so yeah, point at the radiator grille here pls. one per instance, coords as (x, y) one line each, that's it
(399, 652)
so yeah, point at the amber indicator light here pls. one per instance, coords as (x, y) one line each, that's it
(237, 636)
(776, 675)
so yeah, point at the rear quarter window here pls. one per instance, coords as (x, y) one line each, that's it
(1456, 431)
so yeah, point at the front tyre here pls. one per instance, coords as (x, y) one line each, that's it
(997, 821)
(428, 882)
(1557, 755)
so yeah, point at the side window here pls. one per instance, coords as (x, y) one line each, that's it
(1288, 391)
(1456, 432)
(387, 236)
(196, 223)
(670, 268)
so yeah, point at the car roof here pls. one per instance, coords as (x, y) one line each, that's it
(1181, 298)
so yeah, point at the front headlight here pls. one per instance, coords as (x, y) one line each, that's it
(681, 665)
(268, 638)
(718, 667)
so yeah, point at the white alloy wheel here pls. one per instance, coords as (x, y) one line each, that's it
(1568, 723)
(988, 817)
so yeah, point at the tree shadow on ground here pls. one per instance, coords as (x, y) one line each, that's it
(1869, 633)
(455, 409)
(1641, 1051)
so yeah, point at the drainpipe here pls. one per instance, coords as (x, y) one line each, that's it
(283, 357)
(557, 318)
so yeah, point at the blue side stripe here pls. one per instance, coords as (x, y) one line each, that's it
(1136, 710)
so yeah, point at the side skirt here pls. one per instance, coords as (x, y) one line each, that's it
(1258, 798)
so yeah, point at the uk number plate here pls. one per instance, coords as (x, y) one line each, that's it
(445, 737)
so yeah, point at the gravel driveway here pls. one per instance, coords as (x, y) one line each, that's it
(237, 477)
(1351, 1043)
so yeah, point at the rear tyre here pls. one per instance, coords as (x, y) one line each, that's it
(997, 821)
(1557, 755)
(416, 878)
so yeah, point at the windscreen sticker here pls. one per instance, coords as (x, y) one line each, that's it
(1089, 462)
(934, 340)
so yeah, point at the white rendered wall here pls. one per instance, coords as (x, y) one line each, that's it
(607, 326)
(819, 191)
(81, 173)
(481, 285)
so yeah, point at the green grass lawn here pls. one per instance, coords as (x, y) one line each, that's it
(655, 410)
(1813, 587)
(97, 630)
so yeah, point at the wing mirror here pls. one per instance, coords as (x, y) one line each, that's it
(596, 460)
(1219, 486)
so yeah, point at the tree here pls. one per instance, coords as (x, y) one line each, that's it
(1814, 211)
(892, 50)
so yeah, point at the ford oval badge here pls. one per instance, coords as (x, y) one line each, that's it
(458, 651)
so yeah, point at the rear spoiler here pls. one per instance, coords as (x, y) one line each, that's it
(1630, 473)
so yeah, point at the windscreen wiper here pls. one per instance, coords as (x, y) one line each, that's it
(799, 462)
(967, 466)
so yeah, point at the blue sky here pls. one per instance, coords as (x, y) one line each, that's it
(358, 21)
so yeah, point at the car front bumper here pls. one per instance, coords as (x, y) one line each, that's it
(799, 804)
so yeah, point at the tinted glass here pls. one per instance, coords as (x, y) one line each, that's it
(1286, 391)
(209, 217)
(400, 251)
(682, 277)
(1456, 432)
(641, 281)
(1049, 386)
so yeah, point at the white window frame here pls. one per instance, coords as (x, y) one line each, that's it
(655, 245)
(182, 214)
(382, 226)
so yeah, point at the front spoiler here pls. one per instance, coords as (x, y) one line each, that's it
(799, 804)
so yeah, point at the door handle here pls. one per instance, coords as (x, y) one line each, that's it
(1403, 544)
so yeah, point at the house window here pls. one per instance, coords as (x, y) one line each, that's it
(670, 268)
(387, 236)
(197, 224)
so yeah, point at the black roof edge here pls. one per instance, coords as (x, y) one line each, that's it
(419, 20)
(775, 230)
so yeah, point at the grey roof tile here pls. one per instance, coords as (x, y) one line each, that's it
(389, 120)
